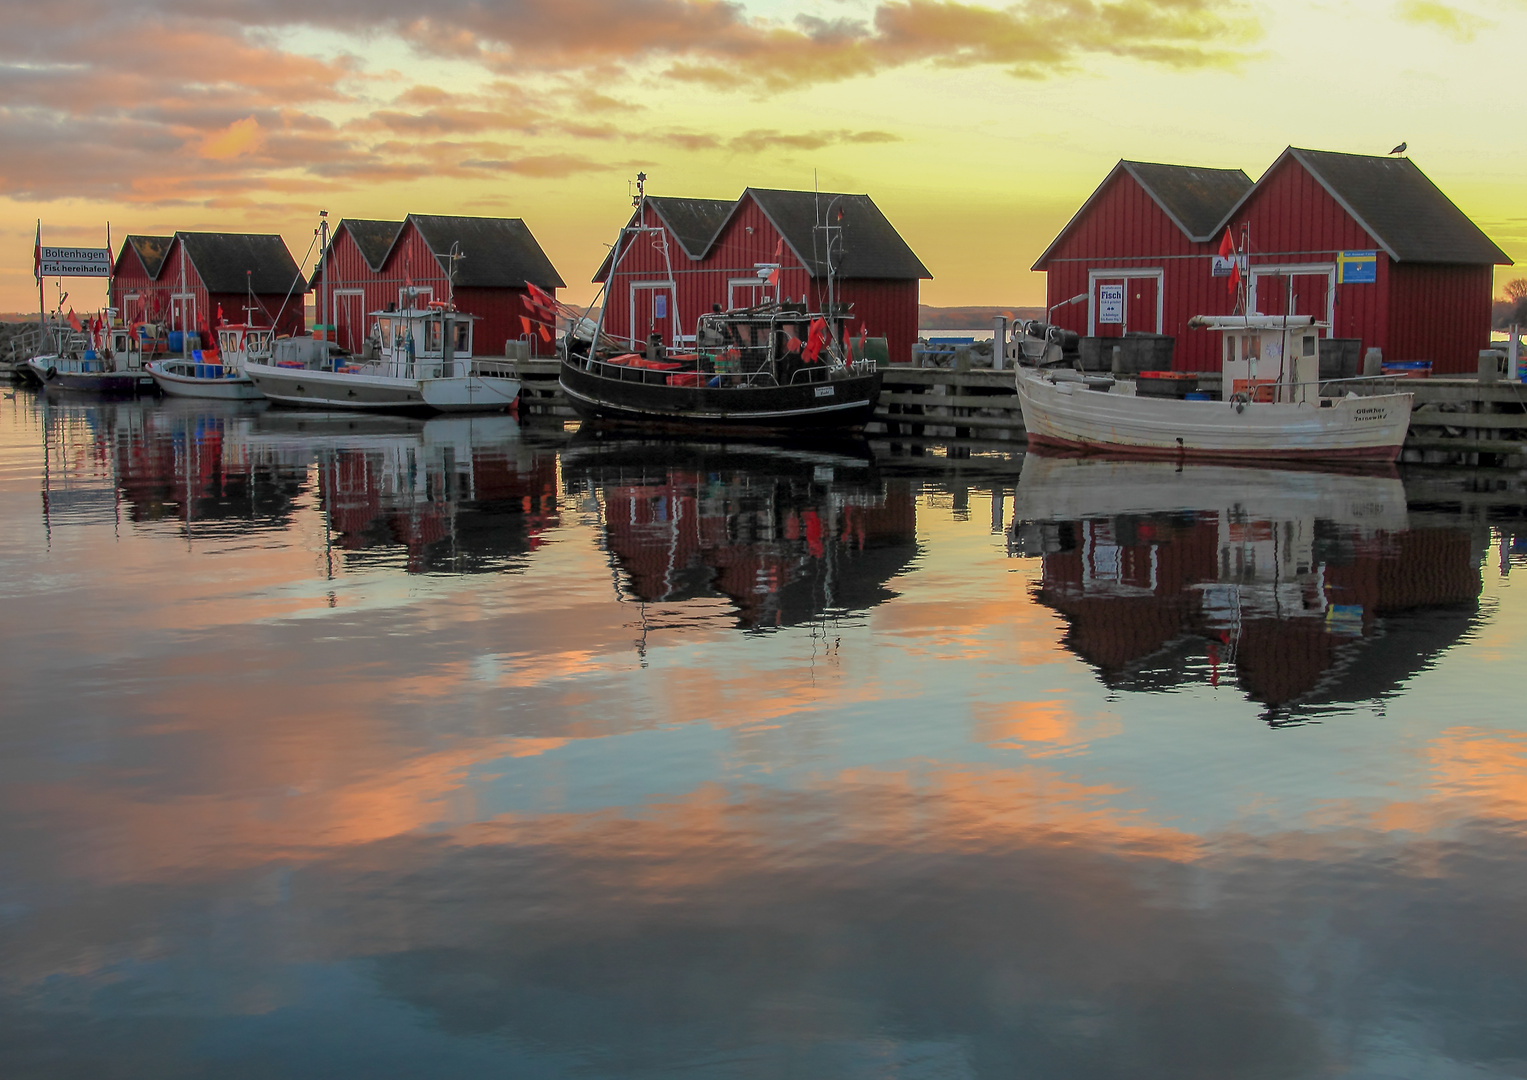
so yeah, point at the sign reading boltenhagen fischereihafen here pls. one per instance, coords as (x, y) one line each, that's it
(74, 262)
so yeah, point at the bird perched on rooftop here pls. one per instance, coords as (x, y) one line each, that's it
(1398, 149)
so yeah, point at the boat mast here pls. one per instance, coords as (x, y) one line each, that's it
(323, 269)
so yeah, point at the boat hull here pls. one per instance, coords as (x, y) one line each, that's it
(239, 388)
(100, 383)
(1066, 415)
(847, 403)
(376, 393)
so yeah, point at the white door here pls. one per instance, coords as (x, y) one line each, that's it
(183, 312)
(652, 311)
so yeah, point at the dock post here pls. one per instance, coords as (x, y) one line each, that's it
(999, 342)
(1513, 355)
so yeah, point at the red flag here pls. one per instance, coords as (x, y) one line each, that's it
(526, 324)
(74, 320)
(816, 338)
(37, 256)
(1227, 251)
(779, 253)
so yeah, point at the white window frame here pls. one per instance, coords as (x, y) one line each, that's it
(733, 284)
(423, 294)
(188, 303)
(334, 307)
(673, 297)
(1297, 270)
(1135, 273)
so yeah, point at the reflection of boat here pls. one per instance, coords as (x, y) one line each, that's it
(219, 377)
(1311, 587)
(785, 533)
(774, 366)
(1272, 405)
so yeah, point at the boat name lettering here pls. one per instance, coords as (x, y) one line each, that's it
(824, 391)
(1372, 412)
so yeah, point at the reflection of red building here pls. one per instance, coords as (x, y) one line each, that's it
(1148, 595)
(461, 513)
(776, 537)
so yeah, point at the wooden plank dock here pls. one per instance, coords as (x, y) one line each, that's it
(1456, 421)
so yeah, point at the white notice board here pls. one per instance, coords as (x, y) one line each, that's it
(1111, 305)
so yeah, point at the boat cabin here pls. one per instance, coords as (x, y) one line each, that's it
(415, 343)
(239, 343)
(1267, 357)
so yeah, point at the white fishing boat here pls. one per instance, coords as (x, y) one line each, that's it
(218, 376)
(416, 360)
(1272, 404)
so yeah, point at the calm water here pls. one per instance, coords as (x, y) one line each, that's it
(384, 748)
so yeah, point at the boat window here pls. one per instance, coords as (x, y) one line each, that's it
(432, 337)
(464, 338)
(1252, 343)
(386, 325)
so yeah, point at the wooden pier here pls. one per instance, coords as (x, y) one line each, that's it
(1455, 422)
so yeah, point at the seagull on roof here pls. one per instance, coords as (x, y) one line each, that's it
(1398, 149)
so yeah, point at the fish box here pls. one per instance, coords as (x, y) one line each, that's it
(1167, 384)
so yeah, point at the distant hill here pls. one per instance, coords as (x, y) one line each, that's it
(969, 318)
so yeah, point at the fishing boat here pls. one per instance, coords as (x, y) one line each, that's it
(95, 359)
(416, 360)
(1272, 404)
(219, 375)
(775, 366)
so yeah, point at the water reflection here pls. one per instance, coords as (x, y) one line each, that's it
(1305, 588)
(451, 494)
(786, 534)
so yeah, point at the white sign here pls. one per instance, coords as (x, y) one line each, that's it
(1221, 266)
(1111, 305)
(74, 262)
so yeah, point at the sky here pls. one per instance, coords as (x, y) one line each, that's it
(979, 129)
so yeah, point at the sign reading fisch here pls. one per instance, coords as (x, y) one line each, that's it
(1111, 305)
(73, 262)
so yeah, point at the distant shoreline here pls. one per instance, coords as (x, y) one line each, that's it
(970, 318)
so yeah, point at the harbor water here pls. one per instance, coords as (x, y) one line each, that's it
(357, 746)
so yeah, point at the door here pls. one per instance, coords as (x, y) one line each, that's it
(350, 318)
(1109, 305)
(183, 312)
(652, 311)
(1309, 287)
(1140, 306)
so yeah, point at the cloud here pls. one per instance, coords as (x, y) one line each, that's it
(1461, 26)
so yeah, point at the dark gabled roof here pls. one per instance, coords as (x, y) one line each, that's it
(872, 248)
(1195, 199)
(1397, 204)
(497, 252)
(232, 262)
(693, 222)
(151, 251)
(374, 238)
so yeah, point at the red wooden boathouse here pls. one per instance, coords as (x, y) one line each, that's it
(1366, 244)
(719, 252)
(372, 265)
(183, 281)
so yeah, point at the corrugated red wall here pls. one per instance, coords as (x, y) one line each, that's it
(412, 262)
(1125, 229)
(1440, 312)
(886, 307)
(153, 303)
(1412, 311)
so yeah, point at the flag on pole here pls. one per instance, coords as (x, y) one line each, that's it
(1227, 251)
(74, 321)
(37, 255)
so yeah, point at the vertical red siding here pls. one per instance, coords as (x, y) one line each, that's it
(153, 303)
(886, 307)
(411, 262)
(1411, 311)
(1440, 312)
(1125, 230)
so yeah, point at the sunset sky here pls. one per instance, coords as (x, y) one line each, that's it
(978, 129)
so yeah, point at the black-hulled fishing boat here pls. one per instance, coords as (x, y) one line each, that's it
(775, 366)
